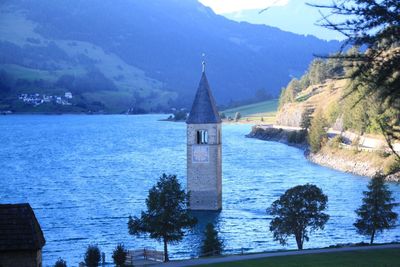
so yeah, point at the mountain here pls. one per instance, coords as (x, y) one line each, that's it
(143, 55)
(291, 17)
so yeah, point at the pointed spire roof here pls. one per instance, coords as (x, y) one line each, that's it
(204, 109)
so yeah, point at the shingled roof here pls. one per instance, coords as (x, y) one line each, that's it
(203, 109)
(19, 228)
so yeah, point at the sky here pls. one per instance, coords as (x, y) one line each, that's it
(229, 6)
(289, 15)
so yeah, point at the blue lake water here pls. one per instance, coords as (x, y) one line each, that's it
(84, 175)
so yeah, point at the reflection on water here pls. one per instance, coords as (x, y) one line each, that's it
(84, 175)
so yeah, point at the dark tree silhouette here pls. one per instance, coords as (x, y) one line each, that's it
(92, 256)
(212, 245)
(167, 215)
(305, 122)
(298, 212)
(238, 116)
(374, 27)
(119, 255)
(376, 212)
(60, 263)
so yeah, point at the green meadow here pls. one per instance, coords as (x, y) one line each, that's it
(365, 258)
(265, 111)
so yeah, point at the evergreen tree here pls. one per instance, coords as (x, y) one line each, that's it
(92, 256)
(167, 215)
(333, 112)
(289, 93)
(372, 26)
(376, 212)
(60, 263)
(298, 212)
(317, 133)
(306, 118)
(317, 71)
(119, 255)
(212, 245)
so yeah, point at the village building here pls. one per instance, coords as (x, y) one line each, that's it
(204, 153)
(68, 95)
(21, 238)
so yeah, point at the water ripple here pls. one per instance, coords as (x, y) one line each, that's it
(84, 175)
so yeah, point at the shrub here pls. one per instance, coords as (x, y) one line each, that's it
(336, 141)
(288, 93)
(303, 98)
(306, 119)
(212, 245)
(301, 136)
(291, 136)
(332, 112)
(382, 152)
(317, 134)
(297, 137)
(60, 263)
(392, 165)
(238, 116)
(119, 255)
(180, 115)
(92, 256)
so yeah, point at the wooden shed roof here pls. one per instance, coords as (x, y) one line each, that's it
(19, 228)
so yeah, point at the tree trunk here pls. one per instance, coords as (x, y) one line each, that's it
(166, 258)
(299, 241)
(372, 237)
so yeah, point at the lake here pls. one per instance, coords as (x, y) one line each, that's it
(84, 175)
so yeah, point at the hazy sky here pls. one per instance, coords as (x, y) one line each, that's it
(229, 6)
(289, 15)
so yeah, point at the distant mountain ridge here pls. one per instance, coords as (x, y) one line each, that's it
(303, 18)
(140, 54)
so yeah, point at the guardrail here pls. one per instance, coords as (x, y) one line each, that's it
(144, 254)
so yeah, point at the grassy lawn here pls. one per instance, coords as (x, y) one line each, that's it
(371, 258)
(261, 109)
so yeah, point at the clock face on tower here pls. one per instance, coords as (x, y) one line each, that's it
(200, 154)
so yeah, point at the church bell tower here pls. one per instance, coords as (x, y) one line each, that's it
(204, 154)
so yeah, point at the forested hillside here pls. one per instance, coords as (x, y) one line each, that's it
(344, 127)
(139, 55)
(323, 89)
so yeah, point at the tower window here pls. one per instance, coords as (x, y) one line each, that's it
(202, 137)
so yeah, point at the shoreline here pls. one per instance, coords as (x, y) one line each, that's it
(340, 160)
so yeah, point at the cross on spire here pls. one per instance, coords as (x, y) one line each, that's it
(204, 62)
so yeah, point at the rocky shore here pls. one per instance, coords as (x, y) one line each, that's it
(345, 161)
(294, 138)
(343, 164)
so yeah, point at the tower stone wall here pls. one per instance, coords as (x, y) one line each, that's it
(204, 167)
